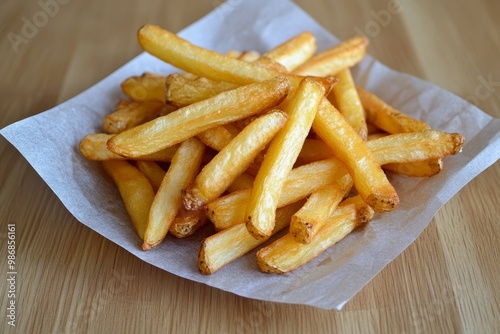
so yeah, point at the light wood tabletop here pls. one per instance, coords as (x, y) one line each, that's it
(71, 279)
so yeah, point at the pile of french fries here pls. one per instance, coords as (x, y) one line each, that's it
(258, 143)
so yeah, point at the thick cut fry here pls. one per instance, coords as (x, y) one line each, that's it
(348, 102)
(152, 171)
(369, 178)
(242, 182)
(93, 147)
(314, 214)
(187, 222)
(135, 190)
(386, 117)
(425, 168)
(331, 61)
(280, 158)
(147, 87)
(415, 146)
(229, 210)
(295, 51)
(285, 254)
(189, 121)
(202, 62)
(129, 114)
(167, 202)
(181, 91)
(230, 244)
(233, 160)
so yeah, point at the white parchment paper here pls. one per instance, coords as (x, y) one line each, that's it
(49, 141)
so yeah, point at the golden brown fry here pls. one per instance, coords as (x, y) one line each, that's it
(202, 62)
(285, 254)
(93, 147)
(415, 146)
(386, 117)
(348, 102)
(229, 210)
(189, 121)
(331, 61)
(181, 91)
(136, 191)
(182, 171)
(230, 244)
(147, 87)
(152, 171)
(280, 158)
(314, 214)
(295, 51)
(233, 160)
(129, 114)
(187, 222)
(369, 178)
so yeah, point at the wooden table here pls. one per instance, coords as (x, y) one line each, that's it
(71, 277)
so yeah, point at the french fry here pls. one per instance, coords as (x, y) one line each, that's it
(280, 158)
(415, 146)
(425, 168)
(202, 62)
(181, 91)
(295, 51)
(187, 222)
(189, 121)
(93, 147)
(386, 117)
(314, 214)
(348, 102)
(129, 114)
(232, 160)
(152, 171)
(135, 190)
(147, 87)
(331, 61)
(230, 210)
(230, 244)
(369, 178)
(285, 254)
(167, 202)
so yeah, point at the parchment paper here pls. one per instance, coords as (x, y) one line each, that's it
(49, 141)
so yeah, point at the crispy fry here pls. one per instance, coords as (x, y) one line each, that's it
(348, 102)
(230, 244)
(136, 191)
(314, 214)
(202, 62)
(189, 121)
(147, 87)
(229, 210)
(152, 171)
(280, 158)
(386, 117)
(233, 160)
(129, 114)
(331, 61)
(295, 51)
(187, 222)
(425, 168)
(243, 181)
(369, 178)
(93, 147)
(181, 91)
(285, 254)
(182, 171)
(218, 137)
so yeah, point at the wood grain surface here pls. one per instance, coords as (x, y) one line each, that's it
(70, 279)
